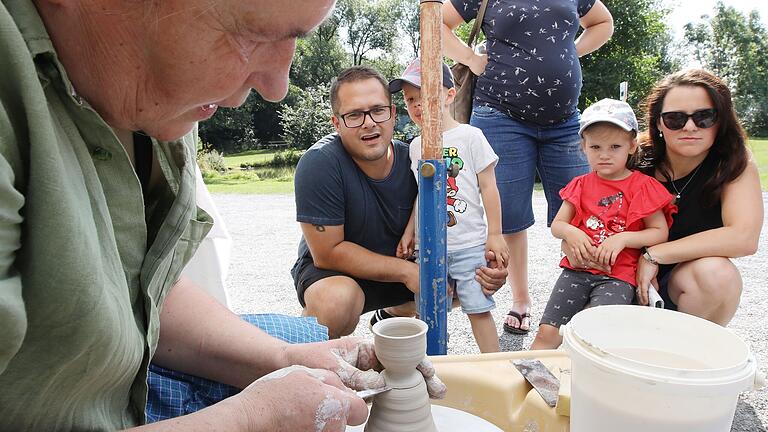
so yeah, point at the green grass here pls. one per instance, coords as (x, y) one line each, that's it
(257, 181)
(265, 187)
(760, 150)
(280, 180)
(261, 156)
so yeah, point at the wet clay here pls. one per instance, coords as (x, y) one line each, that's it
(401, 343)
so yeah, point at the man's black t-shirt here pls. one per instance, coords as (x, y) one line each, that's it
(332, 190)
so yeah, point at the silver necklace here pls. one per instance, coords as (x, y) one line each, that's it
(680, 192)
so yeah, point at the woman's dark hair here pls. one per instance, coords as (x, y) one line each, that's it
(729, 149)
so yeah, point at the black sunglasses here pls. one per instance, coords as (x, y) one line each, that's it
(704, 118)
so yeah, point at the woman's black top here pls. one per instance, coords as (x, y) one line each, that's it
(694, 215)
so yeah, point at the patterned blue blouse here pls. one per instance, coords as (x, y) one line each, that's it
(533, 71)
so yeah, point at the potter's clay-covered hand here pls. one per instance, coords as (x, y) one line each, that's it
(298, 398)
(354, 361)
(435, 386)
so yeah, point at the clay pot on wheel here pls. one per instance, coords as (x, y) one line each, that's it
(401, 343)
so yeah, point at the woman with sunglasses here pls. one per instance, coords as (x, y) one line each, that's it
(697, 149)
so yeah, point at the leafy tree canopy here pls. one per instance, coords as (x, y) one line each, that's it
(638, 52)
(734, 47)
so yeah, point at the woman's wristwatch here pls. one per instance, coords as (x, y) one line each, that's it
(648, 257)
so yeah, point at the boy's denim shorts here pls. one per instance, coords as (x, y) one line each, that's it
(461, 272)
(525, 149)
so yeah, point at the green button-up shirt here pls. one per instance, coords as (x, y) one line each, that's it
(85, 261)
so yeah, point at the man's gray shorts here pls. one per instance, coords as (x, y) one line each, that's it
(577, 290)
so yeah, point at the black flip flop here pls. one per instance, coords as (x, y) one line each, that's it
(517, 330)
(378, 315)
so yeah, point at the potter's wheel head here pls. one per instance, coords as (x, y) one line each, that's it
(451, 420)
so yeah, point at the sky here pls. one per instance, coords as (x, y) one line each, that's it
(685, 11)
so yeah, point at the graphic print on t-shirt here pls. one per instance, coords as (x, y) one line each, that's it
(466, 153)
(452, 158)
(609, 221)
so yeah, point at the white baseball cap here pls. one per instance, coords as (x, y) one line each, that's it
(611, 111)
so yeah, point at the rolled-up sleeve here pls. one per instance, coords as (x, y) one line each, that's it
(13, 318)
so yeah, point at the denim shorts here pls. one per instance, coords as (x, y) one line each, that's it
(524, 149)
(461, 271)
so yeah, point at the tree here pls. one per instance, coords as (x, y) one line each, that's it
(243, 128)
(369, 25)
(320, 57)
(309, 118)
(230, 130)
(409, 24)
(638, 53)
(733, 46)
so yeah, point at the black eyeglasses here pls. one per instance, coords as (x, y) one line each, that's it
(378, 114)
(704, 118)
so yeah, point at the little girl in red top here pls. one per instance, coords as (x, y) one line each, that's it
(607, 216)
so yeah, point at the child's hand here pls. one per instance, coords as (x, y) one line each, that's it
(496, 244)
(406, 246)
(609, 249)
(580, 246)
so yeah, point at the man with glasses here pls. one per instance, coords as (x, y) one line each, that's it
(354, 195)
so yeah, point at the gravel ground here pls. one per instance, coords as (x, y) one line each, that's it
(265, 237)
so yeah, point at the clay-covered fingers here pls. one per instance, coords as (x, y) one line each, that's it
(435, 386)
(357, 364)
(352, 359)
(301, 398)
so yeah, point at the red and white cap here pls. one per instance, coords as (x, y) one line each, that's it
(412, 76)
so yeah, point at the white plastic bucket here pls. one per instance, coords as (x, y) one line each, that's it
(640, 369)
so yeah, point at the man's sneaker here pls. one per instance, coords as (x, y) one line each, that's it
(378, 315)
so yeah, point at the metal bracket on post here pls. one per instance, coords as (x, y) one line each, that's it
(433, 293)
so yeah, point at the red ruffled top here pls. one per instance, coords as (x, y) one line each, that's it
(607, 207)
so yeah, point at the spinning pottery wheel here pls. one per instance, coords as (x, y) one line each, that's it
(450, 419)
(490, 387)
(487, 393)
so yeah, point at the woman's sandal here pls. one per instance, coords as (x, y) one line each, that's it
(520, 317)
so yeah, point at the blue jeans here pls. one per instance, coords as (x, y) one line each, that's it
(524, 149)
(173, 394)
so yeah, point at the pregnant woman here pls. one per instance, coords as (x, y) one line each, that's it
(525, 103)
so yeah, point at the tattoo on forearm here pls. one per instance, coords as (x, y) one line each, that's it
(320, 228)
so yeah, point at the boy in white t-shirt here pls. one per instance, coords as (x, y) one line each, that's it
(471, 194)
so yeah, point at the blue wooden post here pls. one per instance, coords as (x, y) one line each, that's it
(432, 178)
(433, 300)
